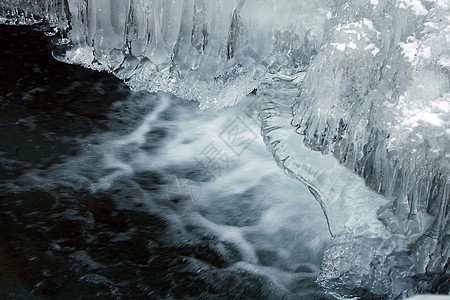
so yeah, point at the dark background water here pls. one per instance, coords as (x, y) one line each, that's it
(67, 242)
(46, 107)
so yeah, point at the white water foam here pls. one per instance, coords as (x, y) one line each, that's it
(264, 222)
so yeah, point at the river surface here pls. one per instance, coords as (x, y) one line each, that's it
(113, 194)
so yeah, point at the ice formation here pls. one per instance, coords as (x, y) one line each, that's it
(364, 83)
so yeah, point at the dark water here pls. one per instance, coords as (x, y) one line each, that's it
(76, 223)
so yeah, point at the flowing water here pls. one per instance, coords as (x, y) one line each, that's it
(117, 194)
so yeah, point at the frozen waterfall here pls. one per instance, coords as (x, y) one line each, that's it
(364, 84)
